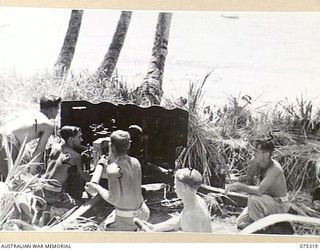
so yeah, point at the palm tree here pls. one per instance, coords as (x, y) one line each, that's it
(151, 88)
(62, 66)
(109, 62)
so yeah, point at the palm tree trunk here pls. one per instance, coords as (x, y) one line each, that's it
(110, 60)
(62, 66)
(151, 88)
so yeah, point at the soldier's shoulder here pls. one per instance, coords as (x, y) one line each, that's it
(276, 163)
(277, 166)
(135, 161)
(113, 170)
(72, 153)
(55, 151)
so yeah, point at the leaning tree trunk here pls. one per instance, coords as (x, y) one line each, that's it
(151, 88)
(62, 66)
(109, 62)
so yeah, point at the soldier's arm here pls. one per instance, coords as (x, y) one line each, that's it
(173, 223)
(104, 193)
(268, 180)
(78, 164)
(252, 172)
(47, 130)
(114, 176)
(257, 190)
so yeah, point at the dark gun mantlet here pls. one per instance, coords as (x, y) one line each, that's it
(163, 129)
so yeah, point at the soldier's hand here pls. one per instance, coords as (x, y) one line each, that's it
(103, 160)
(87, 155)
(143, 225)
(231, 187)
(92, 188)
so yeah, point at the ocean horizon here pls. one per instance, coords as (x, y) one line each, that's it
(269, 56)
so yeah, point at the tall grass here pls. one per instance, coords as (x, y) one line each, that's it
(16, 193)
(217, 146)
(222, 144)
(201, 152)
(23, 93)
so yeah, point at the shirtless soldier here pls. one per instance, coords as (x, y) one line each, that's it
(268, 197)
(124, 185)
(28, 127)
(63, 157)
(195, 216)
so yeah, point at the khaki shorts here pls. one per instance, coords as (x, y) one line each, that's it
(260, 207)
(54, 195)
(120, 220)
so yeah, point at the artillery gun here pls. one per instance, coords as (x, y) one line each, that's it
(164, 130)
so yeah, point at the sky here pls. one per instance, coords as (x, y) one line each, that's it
(270, 55)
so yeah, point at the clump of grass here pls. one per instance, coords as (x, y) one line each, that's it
(235, 118)
(79, 224)
(63, 223)
(302, 229)
(16, 197)
(299, 119)
(298, 162)
(213, 202)
(217, 148)
(301, 203)
(301, 114)
(224, 225)
(201, 153)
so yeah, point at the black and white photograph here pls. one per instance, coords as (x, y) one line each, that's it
(159, 121)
